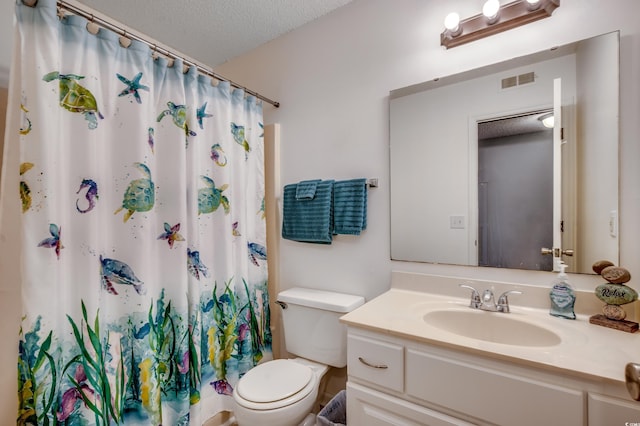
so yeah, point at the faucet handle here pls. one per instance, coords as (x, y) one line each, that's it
(475, 296)
(503, 301)
(487, 297)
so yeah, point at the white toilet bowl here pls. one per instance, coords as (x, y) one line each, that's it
(281, 392)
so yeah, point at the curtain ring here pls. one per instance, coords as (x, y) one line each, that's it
(124, 40)
(92, 27)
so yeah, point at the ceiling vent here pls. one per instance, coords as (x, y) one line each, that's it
(518, 80)
(526, 78)
(509, 82)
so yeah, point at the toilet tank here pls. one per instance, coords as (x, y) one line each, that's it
(312, 329)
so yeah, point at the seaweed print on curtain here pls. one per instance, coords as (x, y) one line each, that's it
(143, 249)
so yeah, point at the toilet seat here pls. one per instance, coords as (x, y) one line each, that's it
(274, 384)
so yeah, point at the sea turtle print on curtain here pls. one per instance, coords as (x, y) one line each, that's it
(143, 250)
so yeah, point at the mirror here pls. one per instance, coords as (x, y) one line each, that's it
(437, 186)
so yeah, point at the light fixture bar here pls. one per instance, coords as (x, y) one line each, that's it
(512, 15)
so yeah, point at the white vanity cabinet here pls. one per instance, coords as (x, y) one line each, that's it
(375, 395)
(398, 381)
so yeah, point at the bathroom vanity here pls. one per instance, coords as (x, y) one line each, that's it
(418, 356)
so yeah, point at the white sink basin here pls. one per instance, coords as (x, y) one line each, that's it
(491, 327)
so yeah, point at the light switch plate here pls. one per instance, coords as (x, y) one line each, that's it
(456, 222)
(613, 223)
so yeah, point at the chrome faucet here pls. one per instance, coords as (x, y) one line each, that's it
(487, 302)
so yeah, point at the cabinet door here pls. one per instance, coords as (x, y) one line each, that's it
(605, 410)
(367, 407)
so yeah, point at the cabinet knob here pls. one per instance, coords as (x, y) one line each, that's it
(632, 378)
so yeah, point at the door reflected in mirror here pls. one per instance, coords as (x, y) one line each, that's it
(463, 194)
(515, 192)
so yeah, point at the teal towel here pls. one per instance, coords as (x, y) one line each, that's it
(306, 189)
(308, 220)
(350, 206)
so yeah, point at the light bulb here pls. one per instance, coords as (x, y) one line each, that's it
(452, 24)
(491, 9)
(533, 4)
(451, 21)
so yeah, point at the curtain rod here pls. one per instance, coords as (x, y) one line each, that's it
(127, 34)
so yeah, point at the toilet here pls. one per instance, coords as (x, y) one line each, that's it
(283, 392)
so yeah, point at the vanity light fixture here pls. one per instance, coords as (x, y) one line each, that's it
(494, 19)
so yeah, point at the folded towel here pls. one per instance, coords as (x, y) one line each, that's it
(306, 189)
(308, 220)
(350, 206)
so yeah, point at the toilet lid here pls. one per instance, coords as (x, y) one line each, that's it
(273, 381)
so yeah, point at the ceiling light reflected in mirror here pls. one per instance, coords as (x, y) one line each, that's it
(547, 120)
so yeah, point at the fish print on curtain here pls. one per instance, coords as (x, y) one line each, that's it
(141, 202)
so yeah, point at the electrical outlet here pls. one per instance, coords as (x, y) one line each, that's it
(456, 222)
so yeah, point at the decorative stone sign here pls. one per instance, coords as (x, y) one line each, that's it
(614, 293)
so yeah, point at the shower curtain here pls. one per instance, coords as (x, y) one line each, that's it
(133, 196)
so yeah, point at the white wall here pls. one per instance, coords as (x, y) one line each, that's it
(332, 78)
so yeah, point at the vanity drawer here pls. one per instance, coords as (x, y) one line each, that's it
(376, 361)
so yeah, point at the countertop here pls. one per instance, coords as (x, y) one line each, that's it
(586, 350)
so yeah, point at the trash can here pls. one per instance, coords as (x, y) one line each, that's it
(335, 412)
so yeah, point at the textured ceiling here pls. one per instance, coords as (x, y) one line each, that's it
(213, 31)
(511, 126)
